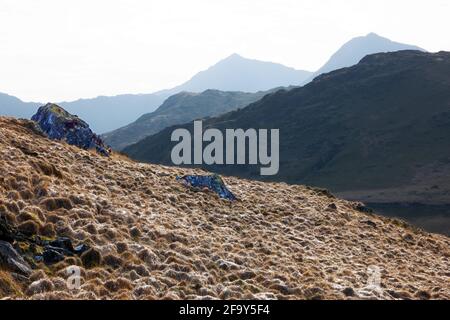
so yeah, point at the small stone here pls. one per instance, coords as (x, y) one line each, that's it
(332, 207)
(349, 292)
(362, 208)
(423, 295)
(52, 256)
(370, 223)
(408, 238)
(227, 265)
(225, 294)
(121, 247)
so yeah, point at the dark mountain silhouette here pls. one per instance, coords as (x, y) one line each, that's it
(108, 113)
(178, 109)
(357, 48)
(236, 73)
(103, 113)
(377, 131)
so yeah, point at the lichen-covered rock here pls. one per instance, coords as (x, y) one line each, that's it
(58, 124)
(213, 182)
(10, 259)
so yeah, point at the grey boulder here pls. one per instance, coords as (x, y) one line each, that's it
(10, 259)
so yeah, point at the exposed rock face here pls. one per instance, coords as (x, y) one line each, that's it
(10, 259)
(58, 124)
(152, 238)
(213, 183)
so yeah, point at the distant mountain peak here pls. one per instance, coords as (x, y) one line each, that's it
(373, 38)
(234, 56)
(237, 73)
(231, 59)
(373, 34)
(357, 48)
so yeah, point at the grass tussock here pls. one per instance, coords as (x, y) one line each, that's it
(8, 286)
(46, 168)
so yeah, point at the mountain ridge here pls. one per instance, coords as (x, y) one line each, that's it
(234, 73)
(253, 76)
(351, 52)
(13, 106)
(180, 108)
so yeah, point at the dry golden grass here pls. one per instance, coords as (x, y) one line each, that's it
(152, 238)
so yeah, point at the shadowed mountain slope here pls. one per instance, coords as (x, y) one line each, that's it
(178, 109)
(14, 107)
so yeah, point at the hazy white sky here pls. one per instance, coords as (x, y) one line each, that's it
(53, 50)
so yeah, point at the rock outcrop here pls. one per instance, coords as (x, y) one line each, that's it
(59, 124)
(11, 260)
